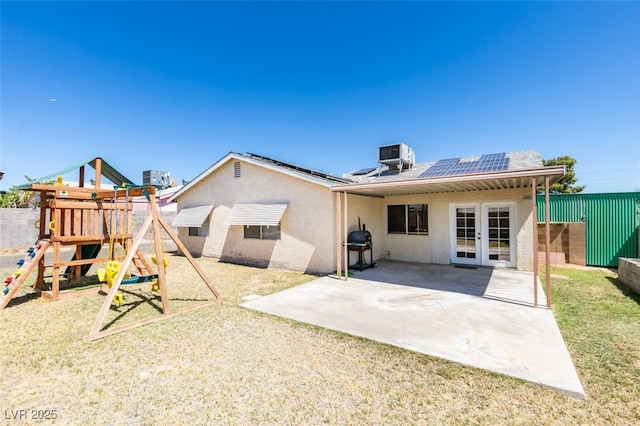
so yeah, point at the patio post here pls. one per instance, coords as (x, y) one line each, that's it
(547, 238)
(534, 214)
(338, 237)
(345, 248)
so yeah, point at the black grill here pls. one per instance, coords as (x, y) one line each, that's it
(361, 242)
(359, 237)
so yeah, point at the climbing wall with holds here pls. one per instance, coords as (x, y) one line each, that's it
(25, 266)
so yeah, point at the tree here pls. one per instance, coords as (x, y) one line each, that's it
(566, 185)
(14, 197)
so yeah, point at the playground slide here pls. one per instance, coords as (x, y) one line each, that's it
(25, 266)
(89, 251)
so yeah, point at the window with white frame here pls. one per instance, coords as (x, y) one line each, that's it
(408, 219)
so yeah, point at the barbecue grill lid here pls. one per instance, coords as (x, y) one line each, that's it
(359, 237)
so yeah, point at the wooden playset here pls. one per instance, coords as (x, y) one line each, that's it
(87, 219)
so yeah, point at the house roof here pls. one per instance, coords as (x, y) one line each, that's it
(107, 171)
(514, 170)
(309, 175)
(514, 161)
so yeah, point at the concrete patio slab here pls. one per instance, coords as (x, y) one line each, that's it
(476, 317)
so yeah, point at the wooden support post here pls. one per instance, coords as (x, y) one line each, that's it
(77, 230)
(338, 201)
(118, 281)
(186, 254)
(77, 270)
(534, 214)
(39, 284)
(81, 177)
(162, 280)
(41, 234)
(547, 238)
(55, 279)
(98, 172)
(345, 248)
(156, 220)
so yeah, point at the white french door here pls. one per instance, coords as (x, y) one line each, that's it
(498, 234)
(465, 234)
(483, 234)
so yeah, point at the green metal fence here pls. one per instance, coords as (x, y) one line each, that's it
(612, 221)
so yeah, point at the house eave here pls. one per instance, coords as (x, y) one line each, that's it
(509, 179)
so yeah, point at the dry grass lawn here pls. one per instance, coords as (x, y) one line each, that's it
(224, 364)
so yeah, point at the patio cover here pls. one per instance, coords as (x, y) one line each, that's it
(192, 216)
(521, 178)
(256, 214)
(457, 183)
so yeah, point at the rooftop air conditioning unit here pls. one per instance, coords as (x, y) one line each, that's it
(397, 156)
(156, 178)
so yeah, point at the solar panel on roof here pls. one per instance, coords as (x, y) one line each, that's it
(363, 171)
(454, 166)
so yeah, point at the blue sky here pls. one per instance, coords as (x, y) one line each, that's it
(176, 86)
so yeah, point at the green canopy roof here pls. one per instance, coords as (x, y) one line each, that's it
(107, 171)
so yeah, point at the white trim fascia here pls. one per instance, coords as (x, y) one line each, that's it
(558, 171)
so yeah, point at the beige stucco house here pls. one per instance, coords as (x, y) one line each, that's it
(253, 210)
(475, 211)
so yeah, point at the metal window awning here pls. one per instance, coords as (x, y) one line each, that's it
(192, 216)
(256, 214)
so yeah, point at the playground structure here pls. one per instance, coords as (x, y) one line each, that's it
(87, 219)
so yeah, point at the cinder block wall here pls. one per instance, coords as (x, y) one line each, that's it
(17, 226)
(629, 273)
(577, 243)
(566, 238)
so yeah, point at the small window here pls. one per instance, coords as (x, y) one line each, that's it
(417, 221)
(252, 231)
(262, 232)
(408, 219)
(199, 231)
(236, 169)
(270, 232)
(396, 220)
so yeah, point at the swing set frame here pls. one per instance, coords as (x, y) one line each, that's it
(77, 216)
(155, 222)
